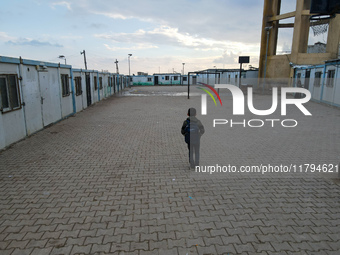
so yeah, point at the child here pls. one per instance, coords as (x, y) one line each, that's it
(192, 130)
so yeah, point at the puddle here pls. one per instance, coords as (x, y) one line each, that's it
(136, 93)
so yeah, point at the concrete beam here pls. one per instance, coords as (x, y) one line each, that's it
(282, 16)
(285, 25)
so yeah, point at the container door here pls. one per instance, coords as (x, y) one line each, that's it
(194, 80)
(49, 99)
(31, 97)
(307, 78)
(88, 90)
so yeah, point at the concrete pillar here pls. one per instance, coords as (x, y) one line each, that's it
(301, 30)
(271, 8)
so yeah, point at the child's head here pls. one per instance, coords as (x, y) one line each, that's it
(191, 112)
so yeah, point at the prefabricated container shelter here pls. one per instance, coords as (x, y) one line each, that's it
(323, 81)
(167, 79)
(35, 94)
(227, 76)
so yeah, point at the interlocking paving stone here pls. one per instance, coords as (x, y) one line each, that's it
(41, 251)
(22, 251)
(114, 179)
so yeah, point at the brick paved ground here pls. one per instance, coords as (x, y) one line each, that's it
(114, 179)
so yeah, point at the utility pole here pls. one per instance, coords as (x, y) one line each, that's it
(83, 52)
(117, 70)
(129, 55)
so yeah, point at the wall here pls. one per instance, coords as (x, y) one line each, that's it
(251, 78)
(12, 124)
(317, 48)
(141, 80)
(184, 79)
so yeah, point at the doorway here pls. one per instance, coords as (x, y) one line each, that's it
(88, 90)
(194, 80)
(49, 100)
(307, 78)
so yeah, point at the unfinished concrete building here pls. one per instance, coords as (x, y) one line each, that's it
(314, 14)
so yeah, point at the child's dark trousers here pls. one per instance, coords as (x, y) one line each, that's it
(194, 154)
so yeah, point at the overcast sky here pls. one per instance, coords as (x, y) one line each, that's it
(160, 34)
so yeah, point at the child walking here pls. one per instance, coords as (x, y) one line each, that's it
(192, 129)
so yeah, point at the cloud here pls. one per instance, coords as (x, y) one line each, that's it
(139, 46)
(165, 35)
(286, 48)
(97, 25)
(216, 19)
(113, 15)
(5, 37)
(227, 58)
(202, 32)
(35, 43)
(11, 40)
(62, 3)
(72, 37)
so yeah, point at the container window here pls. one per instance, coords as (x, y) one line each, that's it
(78, 85)
(9, 93)
(100, 83)
(330, 78)
(317, 80)
(65, 85)
(95, 83)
